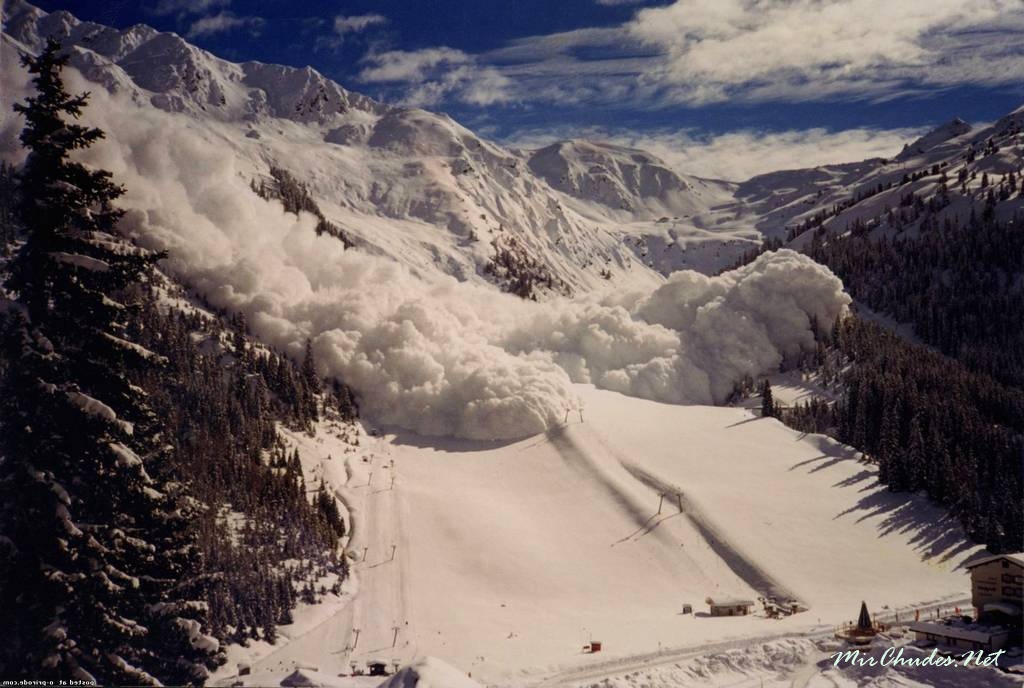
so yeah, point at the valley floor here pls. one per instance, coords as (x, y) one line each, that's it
(506, 559)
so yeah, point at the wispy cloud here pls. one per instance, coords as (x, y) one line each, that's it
(409, 66)
(741, 154)
(697, 52)
(333, 34)
(715, 50)
(434, 74)
(222, 22)
(187, 6)
(357, 23)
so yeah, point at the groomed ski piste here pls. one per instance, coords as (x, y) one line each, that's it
(504, 560)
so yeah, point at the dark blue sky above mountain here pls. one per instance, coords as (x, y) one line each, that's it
(635, 71)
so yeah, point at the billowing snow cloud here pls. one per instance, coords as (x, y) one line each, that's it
(443, 358)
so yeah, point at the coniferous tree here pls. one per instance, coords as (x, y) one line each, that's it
(888, 443)
(101, 557)
(8, 204)
(767, 402)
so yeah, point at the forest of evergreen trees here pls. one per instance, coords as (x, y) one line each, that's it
(929, 423)
(957, 282)
(149, 506)
(222, 409)
(295, 197)
(945, 415)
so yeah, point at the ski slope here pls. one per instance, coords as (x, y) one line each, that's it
(510, 557)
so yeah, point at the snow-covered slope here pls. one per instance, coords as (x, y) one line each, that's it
(177, 76)
(429, 672)
(950, 130)
(630, 181)
(835, 196)
(506, 559)
(409, 184)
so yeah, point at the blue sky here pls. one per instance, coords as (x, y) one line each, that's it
(837, 78)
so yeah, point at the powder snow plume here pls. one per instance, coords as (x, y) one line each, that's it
(439, 357)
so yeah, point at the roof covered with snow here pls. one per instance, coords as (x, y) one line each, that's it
(429, 672)
(951, 628)
(1017, 559)
(730, 602)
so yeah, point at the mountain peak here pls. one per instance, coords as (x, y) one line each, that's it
(939, 135)
(620, 178)
(177, 76)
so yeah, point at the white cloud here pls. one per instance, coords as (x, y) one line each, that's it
(695, 52)
(433, 74)
(187, 6)
(742, 154)
(806, 49)
(357, 23)
(412, 66)
(221, 22)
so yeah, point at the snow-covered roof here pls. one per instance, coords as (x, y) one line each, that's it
(307, 678)
(730, 602)
(977, 633)
(429, 672)
(1017, 558)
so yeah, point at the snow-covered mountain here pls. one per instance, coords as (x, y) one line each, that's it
(785, 204)
(939, 135)
(176, 76)
(190, 132)
(421, 189)
(409, 184)
(620, 179)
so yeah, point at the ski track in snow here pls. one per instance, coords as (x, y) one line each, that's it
(737, 560)
(380, 601)
(566, 531)
(754, 576)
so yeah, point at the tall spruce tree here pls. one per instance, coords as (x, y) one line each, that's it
(767, 401)
(101, 569)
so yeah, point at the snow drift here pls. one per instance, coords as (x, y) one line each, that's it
(437, 356)
(429, 672)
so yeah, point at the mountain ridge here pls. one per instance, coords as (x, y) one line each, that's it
(422, 189)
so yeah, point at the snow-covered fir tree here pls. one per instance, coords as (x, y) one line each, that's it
(99, 580)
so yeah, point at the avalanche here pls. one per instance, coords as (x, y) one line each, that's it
(428, 353)
(442, 357)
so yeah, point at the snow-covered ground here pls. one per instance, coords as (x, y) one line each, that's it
(510, 557)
